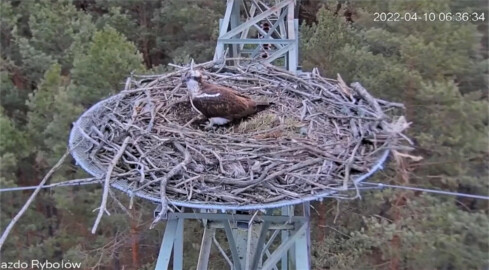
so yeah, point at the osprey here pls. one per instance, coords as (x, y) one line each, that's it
(220, 104)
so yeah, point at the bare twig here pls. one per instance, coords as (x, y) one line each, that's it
(369, 98)
(24, 208)
(164, 200)
(112, 164)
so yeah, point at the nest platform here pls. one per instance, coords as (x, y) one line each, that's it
(319, 139)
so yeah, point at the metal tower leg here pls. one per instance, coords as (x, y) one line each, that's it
(260, 246)
(302, 245)
(234, 22)
(205, 248)
(251, 247)
(172, 241)
(286, 211)
(232, 245)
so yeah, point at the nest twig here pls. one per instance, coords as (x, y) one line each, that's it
(319, 135)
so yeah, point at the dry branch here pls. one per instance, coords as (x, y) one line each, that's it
(31, 198)
(110, 168)
(170, 174)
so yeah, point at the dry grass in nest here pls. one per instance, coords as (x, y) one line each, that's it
(319, 135)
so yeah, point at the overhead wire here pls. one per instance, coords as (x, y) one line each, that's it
(362, 186)
(77, 182)
(437, 191)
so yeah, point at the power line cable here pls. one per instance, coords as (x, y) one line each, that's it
(443, 192)
(368, 185)
(77, 182)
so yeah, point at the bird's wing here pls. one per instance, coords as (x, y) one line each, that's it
(220, 102)
(214, 89)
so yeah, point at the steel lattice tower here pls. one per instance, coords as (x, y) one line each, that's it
(265, 30)
(255, 30)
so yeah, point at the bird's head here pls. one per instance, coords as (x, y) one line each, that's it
(193, 79)
(193, 75)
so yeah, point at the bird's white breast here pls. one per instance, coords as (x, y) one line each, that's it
(219, 121)
(203, 95)
(193, 87)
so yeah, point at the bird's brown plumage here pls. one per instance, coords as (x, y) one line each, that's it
(228, 104)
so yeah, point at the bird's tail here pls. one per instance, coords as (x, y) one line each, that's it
(262, 105)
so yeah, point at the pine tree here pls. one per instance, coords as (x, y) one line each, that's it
(99, 72)
(434, 69)
(188, 28)
(8, 19)
(50, 115)
(14, 144)
(12, 99)
(54, 26)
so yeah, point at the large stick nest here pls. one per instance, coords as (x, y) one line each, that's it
(319, 135)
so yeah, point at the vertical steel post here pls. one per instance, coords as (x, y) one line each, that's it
(223, 28)
(167, 245)
(232, 245)
(234, 22)
(205, 248)
(178, 246)
(302, 258)
(292, 35)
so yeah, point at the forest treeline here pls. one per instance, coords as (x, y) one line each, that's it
(60, 57)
